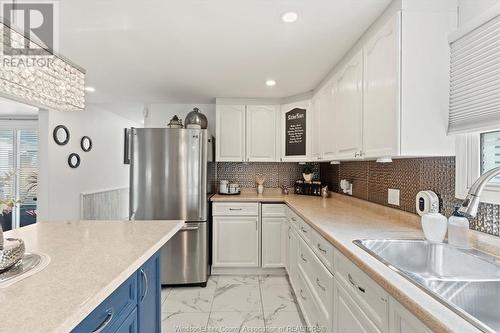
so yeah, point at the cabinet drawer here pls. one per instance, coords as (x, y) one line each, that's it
(305, 231)
(273, 210)
(112, 311)
(293, 218)
(324, 249)
(370, 297)
(315, 319)
(319, 279)
(236, 208)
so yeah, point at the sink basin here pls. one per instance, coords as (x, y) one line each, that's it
(466, 281)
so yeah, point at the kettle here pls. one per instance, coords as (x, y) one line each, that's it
(196, 119)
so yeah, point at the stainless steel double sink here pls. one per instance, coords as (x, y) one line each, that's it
(467, 281)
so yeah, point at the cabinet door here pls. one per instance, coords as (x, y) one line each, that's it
(306, 132)
(149, 297)
(230, 133)
(235, 241)
(316, 143)
(381, 114)
(402, 321)
(261, 133)
(293, 253)
(327, 123)
(130, 325)
(348, 316)
(349, 109)
(273, 241)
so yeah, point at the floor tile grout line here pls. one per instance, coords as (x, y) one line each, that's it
(262, 304)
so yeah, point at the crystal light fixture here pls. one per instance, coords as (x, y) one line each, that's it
(44, 79)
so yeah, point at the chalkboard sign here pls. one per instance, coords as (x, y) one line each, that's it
(295, 132)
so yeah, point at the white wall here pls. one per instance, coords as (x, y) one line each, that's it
(159, 115)
(469, 9)
(101, 168)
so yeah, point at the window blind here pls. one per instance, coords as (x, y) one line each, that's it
(6, 163)
(490, 152)
(475, 78)
(28, 165)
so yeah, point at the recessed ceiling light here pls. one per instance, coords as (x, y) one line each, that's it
(270, 83)
(89, 89)
(289, 17)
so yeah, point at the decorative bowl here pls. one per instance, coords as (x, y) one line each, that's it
(13, 251)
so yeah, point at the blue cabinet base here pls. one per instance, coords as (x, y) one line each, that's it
(134, 307)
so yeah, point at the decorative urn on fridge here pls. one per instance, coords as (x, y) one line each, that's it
(196, 119)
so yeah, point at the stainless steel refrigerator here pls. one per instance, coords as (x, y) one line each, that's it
(168, 181)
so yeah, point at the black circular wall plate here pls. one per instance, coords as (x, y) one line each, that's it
(73, 160)
(57, 132)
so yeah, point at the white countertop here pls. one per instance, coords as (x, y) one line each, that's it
(341, 219)
(89, 260)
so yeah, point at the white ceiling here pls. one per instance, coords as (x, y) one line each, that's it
(190, 51)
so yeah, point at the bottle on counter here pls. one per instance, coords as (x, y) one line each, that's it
(458, 230)
(434, 226)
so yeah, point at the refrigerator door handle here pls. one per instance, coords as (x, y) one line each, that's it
(200, 171)
(189, 228)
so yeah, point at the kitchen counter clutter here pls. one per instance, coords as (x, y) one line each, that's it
(90, 262)
(391, 304)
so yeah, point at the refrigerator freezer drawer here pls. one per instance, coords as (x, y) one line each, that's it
(184, 259)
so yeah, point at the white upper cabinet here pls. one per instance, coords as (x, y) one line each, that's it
(316, 140)
(230, 133)
(327, 124)
(295, 130)
(381, 111)
(348, 109)
(261, 133)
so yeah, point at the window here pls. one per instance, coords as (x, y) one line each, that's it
(476, 154)
(18, 173)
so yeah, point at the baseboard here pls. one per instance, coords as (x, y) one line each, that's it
(247, 271)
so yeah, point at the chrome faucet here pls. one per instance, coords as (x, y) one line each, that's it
(471, 202)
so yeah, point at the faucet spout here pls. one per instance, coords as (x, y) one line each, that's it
(471, 203)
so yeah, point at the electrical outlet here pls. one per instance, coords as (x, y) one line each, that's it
(393, 197)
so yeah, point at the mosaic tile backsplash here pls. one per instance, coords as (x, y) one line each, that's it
(277, 174)
(371, 180)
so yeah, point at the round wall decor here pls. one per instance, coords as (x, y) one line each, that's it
(86, 144)
(61, 135)
(74, 160)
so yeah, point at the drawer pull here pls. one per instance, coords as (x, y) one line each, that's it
(293, 219)
(319, 248)
(235, 208)
(302, 257)
(303, 230)
(351, 280)
(302, 295)
(105, 322)
(319, 284)
(146, 286)
(289, 229)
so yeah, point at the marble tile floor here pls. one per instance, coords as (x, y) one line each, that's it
(233, 304)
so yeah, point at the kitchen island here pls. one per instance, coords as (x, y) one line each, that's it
(90, 261)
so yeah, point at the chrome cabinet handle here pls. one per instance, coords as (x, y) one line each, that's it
(105, 322)
(289, 229)
(351, 280)
(319, 248)
(302, 257)
(235, 208)
(146, 285)
(319, 284)
(301, 295)
(293, 219)
(303, 230)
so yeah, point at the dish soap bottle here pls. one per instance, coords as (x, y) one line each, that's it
(434, 226)
(458, 230)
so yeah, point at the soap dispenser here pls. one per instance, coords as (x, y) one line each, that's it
(458, 230)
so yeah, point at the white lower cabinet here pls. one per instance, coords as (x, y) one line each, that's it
(273, 241)
(333, 294)
(402, 321)
(348, 316)
(236, 238)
